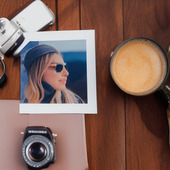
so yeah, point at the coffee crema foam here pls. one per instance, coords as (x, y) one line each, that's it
(138, 67)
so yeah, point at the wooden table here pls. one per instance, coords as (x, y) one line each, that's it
(128, 132)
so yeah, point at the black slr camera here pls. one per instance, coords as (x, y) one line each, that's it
(38, 148)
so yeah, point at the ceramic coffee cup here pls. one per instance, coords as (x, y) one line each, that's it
(139, 66)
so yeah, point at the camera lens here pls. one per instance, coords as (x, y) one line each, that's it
(37, 152)
(11, 37)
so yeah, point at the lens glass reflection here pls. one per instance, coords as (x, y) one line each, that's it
(37, 152)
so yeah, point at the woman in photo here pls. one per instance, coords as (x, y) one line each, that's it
(47, 77)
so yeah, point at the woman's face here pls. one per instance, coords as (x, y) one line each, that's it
(56, 79)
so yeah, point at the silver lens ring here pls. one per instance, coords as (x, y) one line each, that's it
(3, 76)
(42, 140)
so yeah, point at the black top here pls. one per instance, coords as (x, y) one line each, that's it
(49, 92)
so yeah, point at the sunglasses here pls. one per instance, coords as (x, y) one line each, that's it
(59, 67)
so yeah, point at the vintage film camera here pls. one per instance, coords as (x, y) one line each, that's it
(38, 148)
(36, 16)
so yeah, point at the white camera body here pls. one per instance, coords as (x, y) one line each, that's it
(36, 16)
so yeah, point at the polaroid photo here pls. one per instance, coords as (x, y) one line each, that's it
(58, 73)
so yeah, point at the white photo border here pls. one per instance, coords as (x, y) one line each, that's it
(86, 108)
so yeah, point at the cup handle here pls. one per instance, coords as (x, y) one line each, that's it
(168, 117)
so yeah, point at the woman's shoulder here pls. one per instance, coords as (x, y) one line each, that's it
(73, 97)
(79, 100)
(25, 100)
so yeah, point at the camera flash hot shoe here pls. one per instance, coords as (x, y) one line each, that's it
(53, 134)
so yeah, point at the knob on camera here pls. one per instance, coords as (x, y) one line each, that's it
(38, 148)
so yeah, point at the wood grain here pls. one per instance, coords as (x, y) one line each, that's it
(146, 123)
(68, 15)
(128, 132)
(106, 130)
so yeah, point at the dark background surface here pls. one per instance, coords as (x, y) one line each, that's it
(128, 132)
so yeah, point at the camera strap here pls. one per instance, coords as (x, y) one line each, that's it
(3, 77)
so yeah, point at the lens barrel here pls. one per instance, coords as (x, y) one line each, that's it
(11, 36)
(38, 148)
(14, 46)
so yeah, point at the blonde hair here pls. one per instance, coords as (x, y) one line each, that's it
(34, 92)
